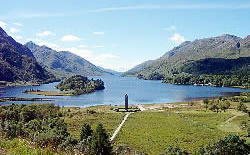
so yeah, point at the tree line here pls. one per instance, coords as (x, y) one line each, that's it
(80, 85)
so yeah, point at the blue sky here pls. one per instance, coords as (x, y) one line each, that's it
(120, 34)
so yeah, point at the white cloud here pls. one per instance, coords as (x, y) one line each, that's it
(97, 46)
(170, 28)
(48, 44)
(175, 7)
(3, 24)
(118, 67)
(45, 34)
(98, 33)
(18, 37)
(41, 43)
(97, 59)
(70, 38)
(14, 30)
(91, 46)
(177, 38)
(83, 46)
(107, 56)
(18, 24)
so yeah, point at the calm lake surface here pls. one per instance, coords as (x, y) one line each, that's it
(139, 92)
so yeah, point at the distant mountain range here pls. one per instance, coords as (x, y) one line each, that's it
(113, 72)
(18, 64)
(191, 55)
(64, 63)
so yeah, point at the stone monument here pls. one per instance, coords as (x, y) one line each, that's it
(126, 102)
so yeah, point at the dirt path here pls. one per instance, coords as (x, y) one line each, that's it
(228, 126)
(119, 127)
(230, 119)
(141, 107)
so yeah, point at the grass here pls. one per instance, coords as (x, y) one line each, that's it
(153, 132)
(21, 146)
(76, 117)
(150, 131)
(51, 93)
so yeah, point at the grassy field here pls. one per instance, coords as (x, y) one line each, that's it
(153, 131)
(76, 117)
(187, 125)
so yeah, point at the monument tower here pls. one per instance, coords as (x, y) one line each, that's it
(126, 102)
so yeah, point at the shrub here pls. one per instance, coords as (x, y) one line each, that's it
(242, 107)
(86, 132)
(91, 111)
(68, 145)
(229, 145)
(174, 151)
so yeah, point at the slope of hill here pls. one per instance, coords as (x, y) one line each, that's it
(64, 63)
(18, 65)
(225, 46)
(138, 68)
(113, 72)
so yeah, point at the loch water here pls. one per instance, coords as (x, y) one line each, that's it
(139, 92)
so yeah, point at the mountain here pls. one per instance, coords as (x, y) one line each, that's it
(138, 68)
(172, 62)
(64, 63)
(18, 64)
(113, 72)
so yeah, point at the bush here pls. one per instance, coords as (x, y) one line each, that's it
(86, 132)
(242, 107)
(91, 111)
(229, 145)
(68, 145)
(174, 151)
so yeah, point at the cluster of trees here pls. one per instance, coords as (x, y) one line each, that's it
(214, 80)
(38, 122)
(151, 76)
(222, 104)
(80, 85)
(216, 105)
(42, 125)
(231, 144)
(210, 71)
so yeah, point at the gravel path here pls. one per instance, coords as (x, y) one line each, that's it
(119, 127)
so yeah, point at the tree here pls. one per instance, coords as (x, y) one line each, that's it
(242, 107)
(100, 144)
(227, 105)
(214, 107)
(205, 101)
(86, 132)
(231, 144)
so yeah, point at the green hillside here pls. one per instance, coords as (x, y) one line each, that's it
(64, 63)
(18, 64)
(222, 55)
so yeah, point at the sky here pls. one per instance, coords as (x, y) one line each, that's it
(119, 34)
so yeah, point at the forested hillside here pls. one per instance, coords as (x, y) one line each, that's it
(222, 55)
(64, 63)
(18, 65)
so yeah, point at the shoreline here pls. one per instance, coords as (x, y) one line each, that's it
(199, 99)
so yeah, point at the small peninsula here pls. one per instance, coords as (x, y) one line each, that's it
(73, 86)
